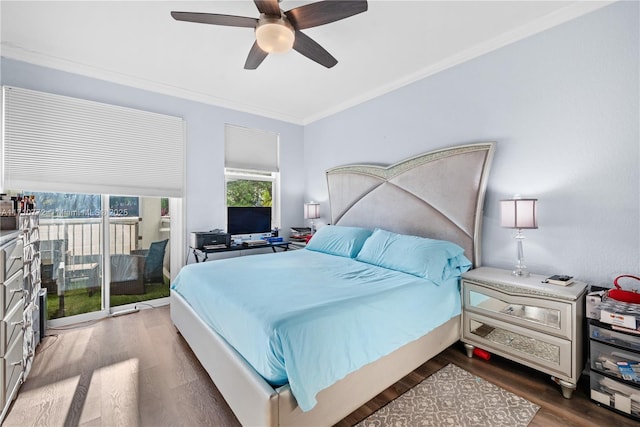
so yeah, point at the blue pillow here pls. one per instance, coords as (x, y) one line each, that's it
(339, 240)
(436, 260)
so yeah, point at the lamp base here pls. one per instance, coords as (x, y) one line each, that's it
(519, 272)
(520, 269)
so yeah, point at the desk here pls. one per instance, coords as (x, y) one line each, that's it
(282, 245)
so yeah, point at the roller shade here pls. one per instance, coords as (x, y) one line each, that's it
(62, 144)
(250, 149)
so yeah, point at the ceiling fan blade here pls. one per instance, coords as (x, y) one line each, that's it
(312, 50)
(255, 58)
(215, 19)
(324, 12)
(268, 7)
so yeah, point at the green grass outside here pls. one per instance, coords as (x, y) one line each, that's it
(78, 301)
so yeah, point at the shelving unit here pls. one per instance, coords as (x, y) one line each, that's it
(11, 313)
(19, 309)
(611, 386)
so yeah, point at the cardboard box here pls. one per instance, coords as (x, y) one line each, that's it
(625, 320)
(593, 299)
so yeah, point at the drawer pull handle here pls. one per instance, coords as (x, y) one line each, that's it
(21, 322)
(15, 291)
(18, 363)
(14, 258)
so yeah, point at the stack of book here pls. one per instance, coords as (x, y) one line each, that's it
(559, 279)
(274, 239)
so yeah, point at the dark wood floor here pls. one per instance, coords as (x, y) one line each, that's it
(136, 370)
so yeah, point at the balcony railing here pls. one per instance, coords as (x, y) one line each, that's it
(81, 239)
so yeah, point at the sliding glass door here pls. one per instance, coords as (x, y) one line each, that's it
(71, 246)
(81, 234)
(140, 257)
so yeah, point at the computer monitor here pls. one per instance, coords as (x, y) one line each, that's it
(248, 220)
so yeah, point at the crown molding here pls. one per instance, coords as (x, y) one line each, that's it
(551, 20)
(572, 11)
(60, 64)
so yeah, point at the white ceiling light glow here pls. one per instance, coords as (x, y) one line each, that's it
(275, 35)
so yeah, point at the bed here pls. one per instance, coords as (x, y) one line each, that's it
(438, 195)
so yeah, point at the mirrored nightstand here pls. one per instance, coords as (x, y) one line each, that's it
(537, 324)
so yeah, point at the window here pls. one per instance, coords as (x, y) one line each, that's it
(251, 169)
(252, 188)
(246, 188)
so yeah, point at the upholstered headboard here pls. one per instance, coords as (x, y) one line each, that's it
(438, 195)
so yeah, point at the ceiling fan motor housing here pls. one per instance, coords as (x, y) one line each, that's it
(275, 34)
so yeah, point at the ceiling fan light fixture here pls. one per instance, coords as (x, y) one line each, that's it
(275, 35)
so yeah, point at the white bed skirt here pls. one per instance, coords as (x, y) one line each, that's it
(256, 403)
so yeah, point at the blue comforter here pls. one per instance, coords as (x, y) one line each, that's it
(309, 318)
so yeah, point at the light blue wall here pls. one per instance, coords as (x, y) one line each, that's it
(205, 195)
(563, 108)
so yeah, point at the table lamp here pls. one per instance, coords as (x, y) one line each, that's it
(312, 211)
(519, 213)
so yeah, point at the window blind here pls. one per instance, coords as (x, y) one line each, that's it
(62, 144)
(250, 149)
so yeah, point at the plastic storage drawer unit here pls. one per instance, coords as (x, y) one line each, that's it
(615, 394)
(631, 342)
(613, 360)
(615, 368)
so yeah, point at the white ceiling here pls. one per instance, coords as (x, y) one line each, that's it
(394, 43)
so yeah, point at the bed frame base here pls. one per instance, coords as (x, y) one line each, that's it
(256, 403)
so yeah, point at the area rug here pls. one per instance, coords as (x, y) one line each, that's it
(454, 397)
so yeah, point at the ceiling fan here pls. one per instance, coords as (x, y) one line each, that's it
(278, 31)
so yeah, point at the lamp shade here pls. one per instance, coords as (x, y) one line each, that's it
(519, 213)
(312, 210)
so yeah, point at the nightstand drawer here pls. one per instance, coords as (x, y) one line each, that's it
(551, 317)
(548, 353)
